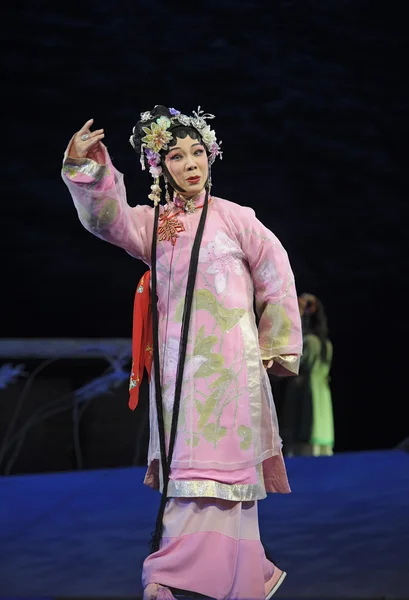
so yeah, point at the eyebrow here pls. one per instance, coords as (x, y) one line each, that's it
(179, 148)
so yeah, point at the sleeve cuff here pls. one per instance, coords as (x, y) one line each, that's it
(285, 366)
(86, 167)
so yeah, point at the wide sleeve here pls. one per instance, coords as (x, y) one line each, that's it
(99, 195)
(280, 336)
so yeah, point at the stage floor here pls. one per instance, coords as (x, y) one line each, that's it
(342, 533)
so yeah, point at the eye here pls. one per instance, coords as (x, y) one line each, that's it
(175, 157)
(199, 151)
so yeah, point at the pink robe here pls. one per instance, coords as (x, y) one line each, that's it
(228, 445)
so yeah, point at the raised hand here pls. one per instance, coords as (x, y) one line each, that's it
(85, 140)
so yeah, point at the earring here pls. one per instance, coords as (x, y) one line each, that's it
(155, 192)
(167, 195)
(209, 180)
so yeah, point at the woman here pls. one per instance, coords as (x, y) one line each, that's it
(307, 419)
(214, 444)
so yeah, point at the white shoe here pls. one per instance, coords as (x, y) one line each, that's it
(155, 591)
(276, 583)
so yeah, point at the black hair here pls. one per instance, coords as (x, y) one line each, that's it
(316, 324)
(181, 132)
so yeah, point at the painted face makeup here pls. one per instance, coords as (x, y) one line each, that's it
(187, 163)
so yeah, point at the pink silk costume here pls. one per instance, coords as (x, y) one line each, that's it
(228, 445)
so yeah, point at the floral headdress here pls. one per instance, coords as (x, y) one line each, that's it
(158, 134)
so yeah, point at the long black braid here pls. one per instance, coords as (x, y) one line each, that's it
(166, 460)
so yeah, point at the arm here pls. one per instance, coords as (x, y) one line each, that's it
(280, 336)
(99, 195)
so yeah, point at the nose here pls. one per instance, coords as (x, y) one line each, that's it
(190, 163)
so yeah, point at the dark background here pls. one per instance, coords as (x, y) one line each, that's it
(312, 106)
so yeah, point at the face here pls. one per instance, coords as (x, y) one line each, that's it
(307, 304)
(187, 163)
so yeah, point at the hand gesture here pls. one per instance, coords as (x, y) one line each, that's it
(85, 139)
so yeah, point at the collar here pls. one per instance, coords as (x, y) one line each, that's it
(197, 200)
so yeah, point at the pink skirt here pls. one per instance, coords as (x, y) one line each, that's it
(212, 547)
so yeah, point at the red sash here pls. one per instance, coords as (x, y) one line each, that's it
(142, 338)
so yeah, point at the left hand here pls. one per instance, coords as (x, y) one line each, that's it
(268, 363)
(81, 148)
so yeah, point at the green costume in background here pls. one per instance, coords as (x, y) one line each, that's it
(307, 424)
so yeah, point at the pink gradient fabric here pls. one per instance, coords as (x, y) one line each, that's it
(211, 547)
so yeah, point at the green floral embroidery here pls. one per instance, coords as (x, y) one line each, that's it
(213, 433)
(109, 211)
(206, 410)
(213, 405)
(194, 441)
(213, 365)
(224, 380)
(106, 215)
(226, 318)
(204, 345)
(246, 436)
(71, 171)
(275, 327)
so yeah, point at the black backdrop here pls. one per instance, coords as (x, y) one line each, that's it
(312, 107)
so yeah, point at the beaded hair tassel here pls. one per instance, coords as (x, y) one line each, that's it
(156, 191)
